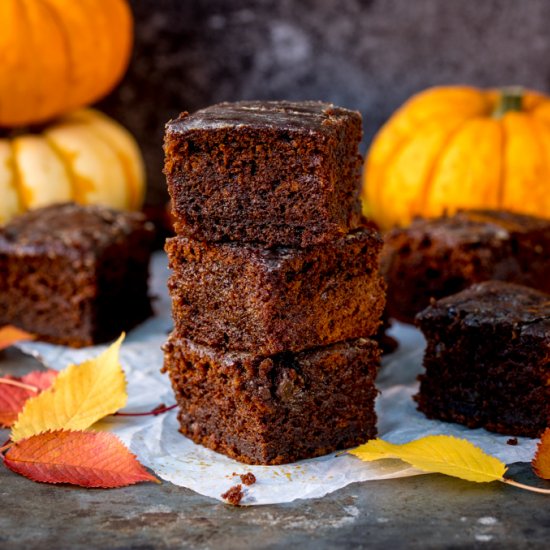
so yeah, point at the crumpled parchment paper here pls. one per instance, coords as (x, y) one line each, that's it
(158, 444)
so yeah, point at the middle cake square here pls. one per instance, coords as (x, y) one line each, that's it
(245, 297)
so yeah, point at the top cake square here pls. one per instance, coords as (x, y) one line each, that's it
(274, 172)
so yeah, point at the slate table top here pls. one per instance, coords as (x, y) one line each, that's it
(430, 511)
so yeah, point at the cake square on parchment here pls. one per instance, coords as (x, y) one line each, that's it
(275, 409)
(488, 359)
(75, 275)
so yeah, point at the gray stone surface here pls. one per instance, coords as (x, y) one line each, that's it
(421, 512)
(368, 55)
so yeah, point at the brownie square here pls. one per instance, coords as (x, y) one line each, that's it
(75, 275)
(279, 408)
(488, 359)
(441, 256)
(245, 297)
(273, 172)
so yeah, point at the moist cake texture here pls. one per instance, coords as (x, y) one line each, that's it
(433, 258)
(75, 275)
(275, 288)
(275, 409)
(244, 297)
(275, 172)
(488, 359)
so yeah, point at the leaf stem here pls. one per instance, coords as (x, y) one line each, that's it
(6, 446)
(526, 487)
(11, 382)
(157, 410)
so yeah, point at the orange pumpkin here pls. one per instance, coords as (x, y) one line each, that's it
(57, 55)
(460, 147)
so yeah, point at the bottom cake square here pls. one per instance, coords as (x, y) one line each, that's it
(487, 359)
(275, 409)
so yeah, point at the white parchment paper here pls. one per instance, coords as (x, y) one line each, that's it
(158, 444)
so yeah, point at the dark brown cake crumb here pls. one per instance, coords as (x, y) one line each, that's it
(234, 495)
(248, 479)
(512, 441)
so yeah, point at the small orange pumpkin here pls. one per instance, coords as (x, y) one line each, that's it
(57, 55)
(460, 147)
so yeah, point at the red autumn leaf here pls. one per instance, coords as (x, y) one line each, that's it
(541, 462)
(41, 379)
(13, 396)
(10, 335)
(88, 459)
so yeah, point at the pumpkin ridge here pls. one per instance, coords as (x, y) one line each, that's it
(83, 83)
(388, 160)
(541, 112)
(23, 11)
(17, 180)
(427, 184)
(65, 40)
(67, 165)
(10, 204)
(109, 60)
(503, 170)
(99, 176)
(131, 183)
(119, 11)
(382, 172)
(373, 190)
(533, 124)
(46, 105)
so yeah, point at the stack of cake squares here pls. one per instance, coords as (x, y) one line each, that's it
(275, 286)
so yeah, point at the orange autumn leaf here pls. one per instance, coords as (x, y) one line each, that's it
(541, 462)
(14, 392)
(85, 458)
(11, 335)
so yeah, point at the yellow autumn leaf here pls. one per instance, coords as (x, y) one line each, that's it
(80, 396)
(441, 454)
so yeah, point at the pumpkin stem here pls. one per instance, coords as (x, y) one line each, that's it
(511, 99)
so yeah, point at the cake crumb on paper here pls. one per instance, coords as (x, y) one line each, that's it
(234, 495)
(248, 479)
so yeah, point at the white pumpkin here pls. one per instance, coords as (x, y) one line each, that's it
(84, 157)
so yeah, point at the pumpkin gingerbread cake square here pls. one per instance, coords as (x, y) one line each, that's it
(273, 172)
(488, 359)
(75, 275)
(279, 408)
(433, 258)
(246, 297)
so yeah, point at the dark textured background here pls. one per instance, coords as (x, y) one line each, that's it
(368, 55)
